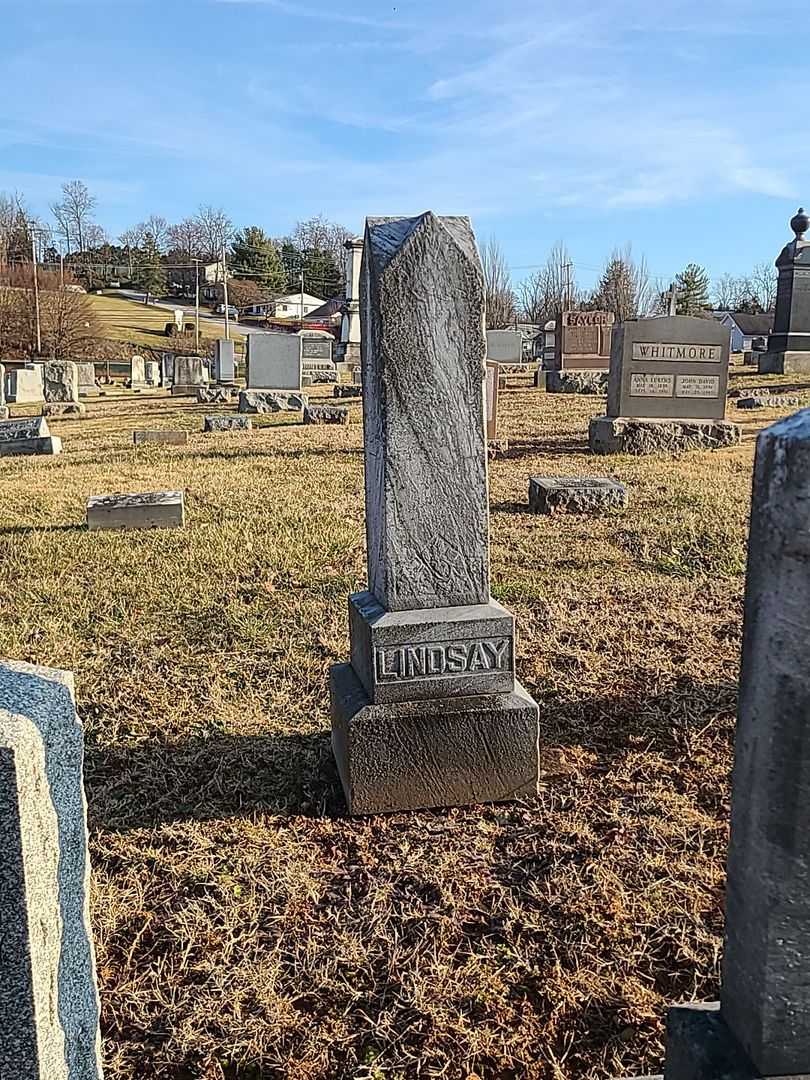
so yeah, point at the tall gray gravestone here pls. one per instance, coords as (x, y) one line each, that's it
(789, 344)
(761, 1027)
(3, 406)
(428, 713)
(49, 1007)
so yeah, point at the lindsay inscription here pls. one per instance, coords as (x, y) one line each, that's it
(651, 350)
(442, 659)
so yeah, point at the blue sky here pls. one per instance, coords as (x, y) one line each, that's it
(676, 125)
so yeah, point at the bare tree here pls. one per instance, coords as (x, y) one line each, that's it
(321, 234)
(500, 297)
(625, 287)
(216, 229)
(551, 289)
(763, 285)
(158, 229)
(74, 213)
(15, 229)
(186, 238)
(68, 323)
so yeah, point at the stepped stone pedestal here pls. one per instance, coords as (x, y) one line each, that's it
(428, 713)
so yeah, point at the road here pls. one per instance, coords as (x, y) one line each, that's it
(189, 310)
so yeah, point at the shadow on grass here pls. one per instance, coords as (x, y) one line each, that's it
(143, 786)
(520, 448)
(38, 530)
(509, 508)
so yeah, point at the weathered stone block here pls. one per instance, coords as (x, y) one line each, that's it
(623, 435)
(60, 381)
(190, 373)
(576, 382)
(216, 395)
(49, 1009)
(435, 652)
(63, 408)
(227, 423)
(326, 414)
(768, 401)
(27, 435)
(575, 494)
(269, 401)
(441, 752)
(427, 515)
(87, 379)
(161, 438)
(144, 510)
(784, 363)
(345, 390)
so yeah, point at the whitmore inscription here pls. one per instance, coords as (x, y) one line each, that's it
(660, 350)
(697, 386)
(646, 385)
(399, 662)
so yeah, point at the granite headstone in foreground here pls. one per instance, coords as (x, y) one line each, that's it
(49, 1008)
(139, 510)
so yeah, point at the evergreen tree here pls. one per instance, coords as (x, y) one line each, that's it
(149, 274)
(692, 285)
(616, 290)
(255, 256)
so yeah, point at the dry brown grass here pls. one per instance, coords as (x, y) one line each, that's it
(245, 927)
(144, 324)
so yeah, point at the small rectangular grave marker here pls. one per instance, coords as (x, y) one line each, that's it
(141, 510)
(575, 494)
(326, 414)
(166, 438)
(27, 435)
(227, 423)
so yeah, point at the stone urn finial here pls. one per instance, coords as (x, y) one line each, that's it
(800, 223)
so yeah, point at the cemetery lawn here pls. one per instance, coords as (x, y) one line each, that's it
(245, 928)
(143, 324)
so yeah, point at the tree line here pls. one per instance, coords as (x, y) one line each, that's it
(625, 288)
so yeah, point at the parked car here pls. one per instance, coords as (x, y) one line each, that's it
(233, 313)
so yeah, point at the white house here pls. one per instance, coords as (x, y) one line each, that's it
(744, 328)
(290, 307)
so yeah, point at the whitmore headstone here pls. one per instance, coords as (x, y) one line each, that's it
(666, 388)
(428, 713)
(49, 1008)
(762, 1025)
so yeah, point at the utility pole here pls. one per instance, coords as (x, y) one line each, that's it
(302, 299)
(225, 292)
(36, 290)
(197, 304)
(569, 300)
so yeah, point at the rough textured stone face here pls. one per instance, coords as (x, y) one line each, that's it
(575, 495)
(227, 423)
(346, 391)
(326, 414)
(768, 401)
(141, 510)
(422, 304)
(216, 395)
(575, 382)
(765, 995)
(269, 401)
(63, 408)
(442, 752)
(60, 381)
(617, 435)
(49, 1006)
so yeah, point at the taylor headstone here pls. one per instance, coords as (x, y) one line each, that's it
(762, 1027)
(789, 344)
(428, 713)
(49, 1007)
(583, 340)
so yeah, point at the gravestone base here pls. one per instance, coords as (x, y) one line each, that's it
(347, 390)
(414, 755)
(576, 382)
(227, 423)
(271, 401)
(63, 408)
(784, 363)
(326, 414)
(48, 444)
(497, 447)
(701, 1047)
(4, 413)
(575, 495)
(216, 395)
(427, 653)
(185, 389)
(628, 435)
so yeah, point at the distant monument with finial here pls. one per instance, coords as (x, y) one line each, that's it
(789, 344)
